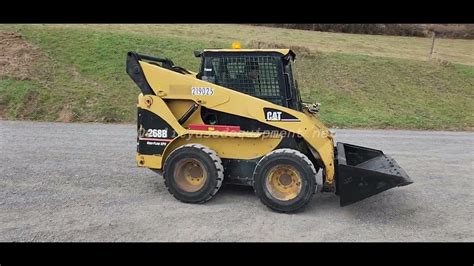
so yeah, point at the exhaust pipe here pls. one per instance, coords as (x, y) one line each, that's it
(362, 172)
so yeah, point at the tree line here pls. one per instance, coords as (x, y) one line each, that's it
(455, 31)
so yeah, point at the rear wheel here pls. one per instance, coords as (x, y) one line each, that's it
(285, 180)
(193, 173)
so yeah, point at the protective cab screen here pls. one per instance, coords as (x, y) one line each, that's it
(257, 76)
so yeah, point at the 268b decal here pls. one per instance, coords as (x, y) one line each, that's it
(156, 133)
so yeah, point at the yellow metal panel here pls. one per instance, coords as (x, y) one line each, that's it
(150, 161)
(158, 106)
(180, 107)
(168, 84)
(224, 134)
(228, 147)
(281, 51)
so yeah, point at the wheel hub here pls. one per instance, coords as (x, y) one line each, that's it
(284, 182)
(190, 175)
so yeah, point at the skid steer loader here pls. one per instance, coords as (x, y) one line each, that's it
(241, 120)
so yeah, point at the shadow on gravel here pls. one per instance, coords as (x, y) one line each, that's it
(398, 206)
(395, 207)
(229, 189)
(228, 194)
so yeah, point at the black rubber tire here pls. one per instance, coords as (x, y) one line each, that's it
(301, 163)
(211, 162)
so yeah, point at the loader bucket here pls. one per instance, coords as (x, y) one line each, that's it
(363, 172)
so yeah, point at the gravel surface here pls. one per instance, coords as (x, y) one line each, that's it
(80, 182)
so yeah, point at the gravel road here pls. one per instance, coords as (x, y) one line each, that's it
(79, 182)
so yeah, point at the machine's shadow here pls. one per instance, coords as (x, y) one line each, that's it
(396, 204)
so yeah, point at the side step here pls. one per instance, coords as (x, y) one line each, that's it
(363, 172)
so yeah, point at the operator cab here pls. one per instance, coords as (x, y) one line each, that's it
(263, 73)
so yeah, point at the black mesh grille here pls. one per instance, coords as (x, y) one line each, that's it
(253, 75)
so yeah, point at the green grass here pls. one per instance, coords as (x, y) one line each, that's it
(15, 96)
(416, 48)
(361, 81)
(389, 93)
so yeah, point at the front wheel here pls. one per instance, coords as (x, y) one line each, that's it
(285, 180)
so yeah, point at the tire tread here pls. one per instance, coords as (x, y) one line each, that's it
(217, 163)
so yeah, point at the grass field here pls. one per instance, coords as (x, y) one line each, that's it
(361, 80)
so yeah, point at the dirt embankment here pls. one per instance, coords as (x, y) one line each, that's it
(17, 60)
(17, 56)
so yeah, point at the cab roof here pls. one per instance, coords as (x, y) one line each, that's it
(284, 52)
